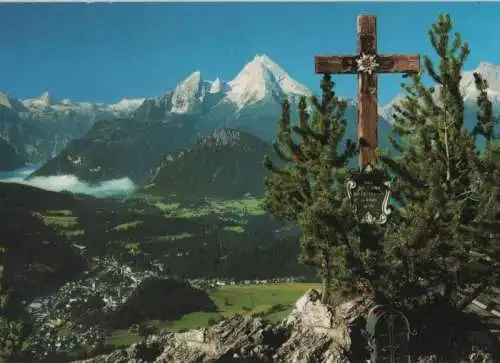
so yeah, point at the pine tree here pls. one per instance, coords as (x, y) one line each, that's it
(444, 186)
(310, 187)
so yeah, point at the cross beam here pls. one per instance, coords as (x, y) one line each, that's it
(366, 64)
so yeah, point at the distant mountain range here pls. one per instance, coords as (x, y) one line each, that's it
(39, 129)
(249, 103)
(132, 138)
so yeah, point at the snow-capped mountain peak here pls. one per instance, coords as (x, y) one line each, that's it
(45, 99)
(489, 72)
(260, 77)
(287, 83)
(12, 103)
(189, 93)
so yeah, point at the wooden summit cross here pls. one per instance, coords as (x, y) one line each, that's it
(367, 63)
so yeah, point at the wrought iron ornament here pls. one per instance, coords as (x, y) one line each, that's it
(389, 335)
(369, 192)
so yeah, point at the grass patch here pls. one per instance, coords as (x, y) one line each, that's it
(249, 299)
(239, 208)
(133, 248)
(61, 212)
(167, 207)
(74, 233)
(237, 229)
(175, 237)
(64, 222)
(247, 206)
(127, 226)
(190, 321)
(61, 219)
(122, 338)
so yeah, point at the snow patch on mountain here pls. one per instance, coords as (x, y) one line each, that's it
(218, 86)
(127, 104)
(491, 73)
(388, 110)
(45, 99)
(221, 137)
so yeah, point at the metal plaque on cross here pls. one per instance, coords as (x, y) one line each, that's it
(369, 192)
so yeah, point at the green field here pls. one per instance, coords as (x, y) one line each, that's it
(128, 225)
(231, 300)
(62, 219)
(240, 208)
(64, 222)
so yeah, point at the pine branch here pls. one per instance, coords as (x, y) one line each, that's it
(269, 165)
(447, 149)
(403, 172)
(432, 72)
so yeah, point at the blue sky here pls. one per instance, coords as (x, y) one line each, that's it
(105, 52)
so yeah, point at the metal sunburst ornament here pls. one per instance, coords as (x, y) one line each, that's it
(367, 63)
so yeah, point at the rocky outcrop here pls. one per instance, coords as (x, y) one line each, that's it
(312, 333)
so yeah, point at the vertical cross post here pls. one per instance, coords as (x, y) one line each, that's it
(367, 92)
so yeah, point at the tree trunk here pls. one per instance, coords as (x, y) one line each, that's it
(450, 291)
(327, 277)
(369, 244)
